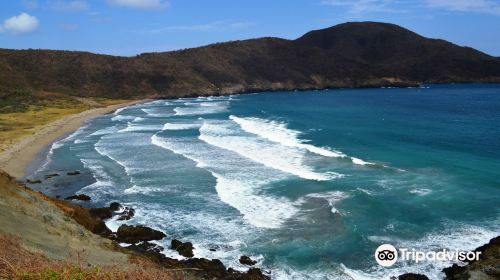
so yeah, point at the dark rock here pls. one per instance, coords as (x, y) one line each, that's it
(102, 213)
(37, 181)
(48, 176)
(254, 274)
(247, 260)
(115, 206)
(106, 212)
(81, 197)
(455, 272)
(145, 247)
(135, 234)
(212, 250)
(412, 276)
(184, 248)
(73, 173)
(487, 267)
(127, 214)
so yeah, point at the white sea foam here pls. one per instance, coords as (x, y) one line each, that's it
(103, 182)
(101, 149)
(420, 192)
(122, 118)
(138, 119)
(104, 131)
(237, 181)
(58, 144)
(180, 126)
(332, 197)
(155, 113)
(224, 134)
(278, 132)
(453, 237)
(188, 111)
(135, 189)
(132, 127)
(117, 111)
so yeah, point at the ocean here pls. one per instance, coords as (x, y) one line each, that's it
(307, 183)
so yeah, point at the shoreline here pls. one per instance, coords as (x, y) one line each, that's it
(18, 157)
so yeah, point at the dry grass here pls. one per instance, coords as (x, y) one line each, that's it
(19, 263)
(23, 118)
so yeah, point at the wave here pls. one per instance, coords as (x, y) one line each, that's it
(122, 118)
(131, 127)
(331, 197)
(284, 158)
(155, 113)
(454, 237)
(237, 181)
(58, 144)
(180, 126)
(188, 111)
(117, 111)
(278, 132)
(103, 184)
(135, 189)
(420, 192)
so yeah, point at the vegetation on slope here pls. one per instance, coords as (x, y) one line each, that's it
(366, 54)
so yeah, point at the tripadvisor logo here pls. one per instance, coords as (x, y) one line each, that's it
(386, 255)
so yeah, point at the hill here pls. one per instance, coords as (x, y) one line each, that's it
(358, 54)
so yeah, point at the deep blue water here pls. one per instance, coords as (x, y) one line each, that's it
(308, 183)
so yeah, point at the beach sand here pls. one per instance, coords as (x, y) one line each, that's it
(16, 159)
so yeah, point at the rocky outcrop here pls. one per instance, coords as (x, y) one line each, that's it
(35, 181)
(246, 260)
(82, 197)
(412, 276)
(52, 175)
(145, 247)
(73, 173)
(127, 214)
(105, 213)
(136, 234)
(487, 267)
(185, 249)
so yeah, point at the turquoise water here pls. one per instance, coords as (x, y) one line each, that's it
(307, 183)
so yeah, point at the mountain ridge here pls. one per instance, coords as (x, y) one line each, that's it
(354, 54)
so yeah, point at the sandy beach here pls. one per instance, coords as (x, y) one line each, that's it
(17, 157)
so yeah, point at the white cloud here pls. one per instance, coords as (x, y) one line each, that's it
(365, 6)
(70, 6)
(481, 6)
(142, 4)
(20, 24)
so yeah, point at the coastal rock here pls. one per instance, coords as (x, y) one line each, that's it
(487, 267)
(48, 176)
(254, 274)
(81, 197)
(127, 214)
(115, 206)
(145, 247)
(246, 260)
(37, 181)
(73, 173)
(106, 212)
(412, 276)
(184, 248)
(135, 234)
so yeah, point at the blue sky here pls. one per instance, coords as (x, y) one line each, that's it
(129, 27)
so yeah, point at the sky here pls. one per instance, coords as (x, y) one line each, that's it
(131, 27)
